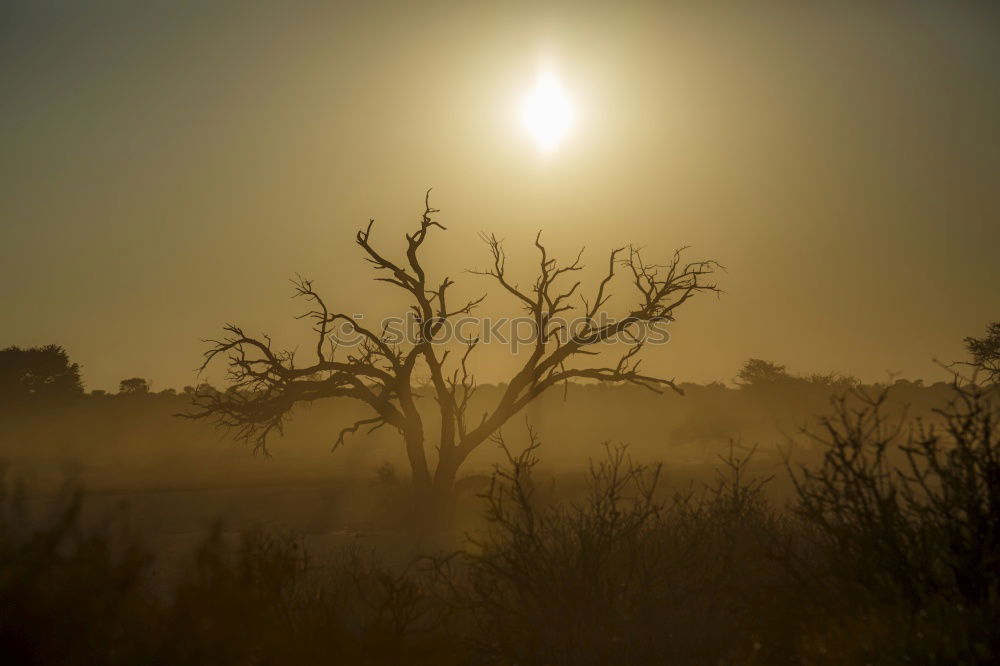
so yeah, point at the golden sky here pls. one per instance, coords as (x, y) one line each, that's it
(166, 167)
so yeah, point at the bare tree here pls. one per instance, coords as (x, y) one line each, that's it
(382, 373)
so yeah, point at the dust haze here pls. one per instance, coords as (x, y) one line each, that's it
(457, 333)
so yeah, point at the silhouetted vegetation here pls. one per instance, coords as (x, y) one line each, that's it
(906, 517)
(381, 372)
(39, 375)
(457, 440)
(756, 371)
(758, 374)
(887, 552)
(985, 352)
(134, 386)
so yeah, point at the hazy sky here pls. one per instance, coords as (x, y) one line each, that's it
(166, 166)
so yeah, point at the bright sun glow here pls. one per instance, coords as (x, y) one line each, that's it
(547, 112)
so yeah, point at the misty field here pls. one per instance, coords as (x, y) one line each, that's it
(764, 524)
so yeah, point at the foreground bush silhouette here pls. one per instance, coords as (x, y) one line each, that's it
(72, 595)
(621, 576)
(264, 601)
(905, 519)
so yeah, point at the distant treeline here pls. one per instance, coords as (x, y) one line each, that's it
(46, 374)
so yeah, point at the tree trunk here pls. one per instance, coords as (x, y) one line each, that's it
(418, 460)
(447, 469)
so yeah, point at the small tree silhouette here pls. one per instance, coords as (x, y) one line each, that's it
(757, 372)
(266, 383)
(134, 386)
(38, 374)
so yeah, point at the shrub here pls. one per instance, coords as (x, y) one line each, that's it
(620, 577)
(70, 595)
(76, 595)
(906, 519)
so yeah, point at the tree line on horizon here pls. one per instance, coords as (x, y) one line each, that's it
(45, 375)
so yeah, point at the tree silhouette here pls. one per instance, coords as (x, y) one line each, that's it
(985, 352)
(758, 372)
(38, 374)
(134, 386)
(382, 373)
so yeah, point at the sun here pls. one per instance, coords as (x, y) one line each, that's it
(547, 112)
